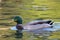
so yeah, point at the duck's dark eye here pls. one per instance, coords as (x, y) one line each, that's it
(15, 20)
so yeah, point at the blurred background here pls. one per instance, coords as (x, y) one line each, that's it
(28, 10)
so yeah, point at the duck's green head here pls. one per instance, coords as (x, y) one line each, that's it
(18, 19)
